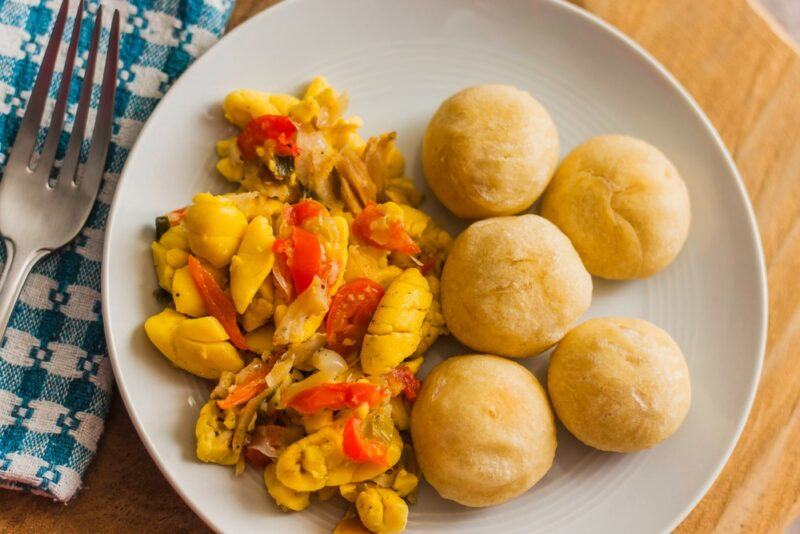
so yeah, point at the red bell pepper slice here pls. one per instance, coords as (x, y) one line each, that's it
(216, 301)
(335, 396)
(247, 386)
(359, 393)
(302, 255)
(306, 260)
(361, 449)
(259, 130)
(351, 311)
(298, 213)
(371, 224)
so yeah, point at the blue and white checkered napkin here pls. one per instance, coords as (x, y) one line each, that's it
(55, 376)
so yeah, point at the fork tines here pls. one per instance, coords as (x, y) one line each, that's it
(21, 153)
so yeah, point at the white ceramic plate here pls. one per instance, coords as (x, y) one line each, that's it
(399, 60)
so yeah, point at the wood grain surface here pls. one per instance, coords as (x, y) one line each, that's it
(747, 79)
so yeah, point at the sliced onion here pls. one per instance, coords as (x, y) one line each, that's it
(329, 361)
(279, 371)
(313, 150)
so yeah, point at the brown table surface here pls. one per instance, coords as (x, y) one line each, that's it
(747, 79)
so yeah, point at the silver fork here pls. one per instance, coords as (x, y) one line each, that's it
(38, 216)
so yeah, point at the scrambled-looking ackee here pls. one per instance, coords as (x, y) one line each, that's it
(310, 294)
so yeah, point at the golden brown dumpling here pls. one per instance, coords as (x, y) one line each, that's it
(619, 384)
(513, 286)
(623, 205)
(483, 430)
(489, 150)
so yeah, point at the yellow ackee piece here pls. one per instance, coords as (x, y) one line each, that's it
(186, 295)
(428, 235)
(415, 364)
(284, 496)
(261, 308)
(414, 220)
(370, 262)
(253, 204)
(351, 524)
(394, 331)
(349, 492)
(317, 85)
(170, 253)
(260, 339)
(228, 165)
(283, 103)
(405, 482)
(161, 329)
(382, 510)
(316, 421)
(305, 111)
(305, 464)
(252, 263)
(434, 325)
(243, 105)
(199, 346)
(318, 95)
(344, 132)
(400, 415)
(214, 433)
(317, 461)
(215, 228)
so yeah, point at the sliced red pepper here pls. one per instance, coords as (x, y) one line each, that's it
(350, 314)
(335, 396)
(216, 301)
(403, 380)
(325, 396)
(306, 260)
(247, 386)
(360, 448)
(374, 226)
(301, 256)
(359, 393)
(277, 128)
(296, 214)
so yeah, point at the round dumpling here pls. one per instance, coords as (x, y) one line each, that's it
(483, 430)
(513, 286)
(619, 384)
(623, 205)
(489, 150)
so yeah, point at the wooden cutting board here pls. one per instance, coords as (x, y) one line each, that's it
(747, 79)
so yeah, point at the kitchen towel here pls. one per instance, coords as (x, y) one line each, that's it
(55, 375)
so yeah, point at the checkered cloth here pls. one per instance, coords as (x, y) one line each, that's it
(55, 376)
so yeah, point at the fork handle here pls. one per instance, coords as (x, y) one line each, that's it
(18, 265)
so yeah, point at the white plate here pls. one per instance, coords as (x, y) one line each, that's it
(399, 60)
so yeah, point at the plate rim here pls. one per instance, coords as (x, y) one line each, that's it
(573, 10)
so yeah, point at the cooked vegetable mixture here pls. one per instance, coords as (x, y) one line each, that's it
(309, 295)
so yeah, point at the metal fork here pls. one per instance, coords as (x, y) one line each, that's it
(38, 215)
